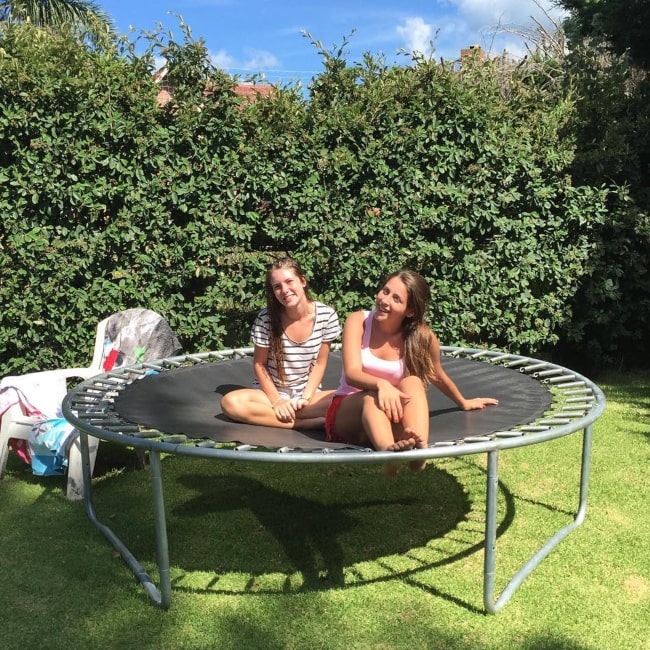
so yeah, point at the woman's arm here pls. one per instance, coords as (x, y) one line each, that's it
(260, 361)
(446, 385)
(317, 371)
(352, 367)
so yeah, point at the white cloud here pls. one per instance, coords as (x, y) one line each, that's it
(261, 60)
(221, 59)
(417, 35)
(256, 61)
(480, 14)
(496, 25)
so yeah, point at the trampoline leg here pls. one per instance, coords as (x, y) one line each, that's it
(489, 559)
(161, 529)
(492, 605)
(161, 598)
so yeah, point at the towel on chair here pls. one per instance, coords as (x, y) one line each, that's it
(137, 335)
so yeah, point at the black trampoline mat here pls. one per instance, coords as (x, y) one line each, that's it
(186, 400)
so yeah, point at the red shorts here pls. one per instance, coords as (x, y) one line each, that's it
(330, 418)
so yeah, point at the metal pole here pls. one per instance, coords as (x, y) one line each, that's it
(161, 529)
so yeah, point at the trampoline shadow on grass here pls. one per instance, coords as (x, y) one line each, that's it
(306, 529)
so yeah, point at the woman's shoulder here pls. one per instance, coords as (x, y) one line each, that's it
(357, 317)
(324, 310)
(262, 316)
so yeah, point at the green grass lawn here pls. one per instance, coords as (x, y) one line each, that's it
(281, 556)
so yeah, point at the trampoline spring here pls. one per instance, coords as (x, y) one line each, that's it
(508, 434)
(554, 421)
(533, 427)
(534, 366)
(586, 398)
(478, 438)
(563, 379)
(87, 399)
(92, 415)
(244, 447)
(116, 422)
(500, 357)
(175, 440)
(515, 363)
(549, 373)
(478, 355)
(102, 421)
(149, 433)
(153, 366)
(579, 391)
(569, 385)
(568, 414)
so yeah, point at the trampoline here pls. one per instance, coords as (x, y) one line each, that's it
(172, 406)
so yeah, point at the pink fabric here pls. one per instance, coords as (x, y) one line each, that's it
(28, 391)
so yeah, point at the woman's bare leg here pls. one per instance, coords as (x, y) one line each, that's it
(251, 406)
(361, 421)
(415, 421)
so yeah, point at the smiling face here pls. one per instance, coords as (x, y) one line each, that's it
(393, 301)
(288, 288)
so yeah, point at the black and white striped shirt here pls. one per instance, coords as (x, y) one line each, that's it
(298, 357)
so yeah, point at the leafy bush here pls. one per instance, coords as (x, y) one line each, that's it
(110, 201)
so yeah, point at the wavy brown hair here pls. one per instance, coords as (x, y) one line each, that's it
(418, 337)
(275, 309)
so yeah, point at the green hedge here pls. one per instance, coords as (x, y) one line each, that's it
(109, 201)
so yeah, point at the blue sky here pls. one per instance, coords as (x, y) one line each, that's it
(262, 36)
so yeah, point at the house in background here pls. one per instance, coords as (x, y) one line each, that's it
(249, 91)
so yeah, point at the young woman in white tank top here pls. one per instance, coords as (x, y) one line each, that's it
(389, 357)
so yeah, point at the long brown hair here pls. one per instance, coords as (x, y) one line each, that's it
(418, 337)
(274, 309)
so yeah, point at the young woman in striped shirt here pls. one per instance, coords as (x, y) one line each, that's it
(292, 336)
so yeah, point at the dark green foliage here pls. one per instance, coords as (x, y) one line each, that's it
(612, 130)
(623, 24)
(110, 201)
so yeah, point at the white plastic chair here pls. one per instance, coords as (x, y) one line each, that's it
(51, 386)
(121, 337)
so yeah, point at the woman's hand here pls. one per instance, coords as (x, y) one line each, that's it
(478, 403)
(300, 402)
(285, 409)
(391, 400)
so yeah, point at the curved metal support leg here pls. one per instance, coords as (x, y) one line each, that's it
(161, 598)
(492, 605)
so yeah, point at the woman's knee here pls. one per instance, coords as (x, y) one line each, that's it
(231, 404)
(411, 385)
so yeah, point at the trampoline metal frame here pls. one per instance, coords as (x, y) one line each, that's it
(89, 407)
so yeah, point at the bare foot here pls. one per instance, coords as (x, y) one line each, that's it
(410, 441)
(416, 465)
(402, 445)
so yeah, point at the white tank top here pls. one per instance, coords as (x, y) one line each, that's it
(392, 371)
